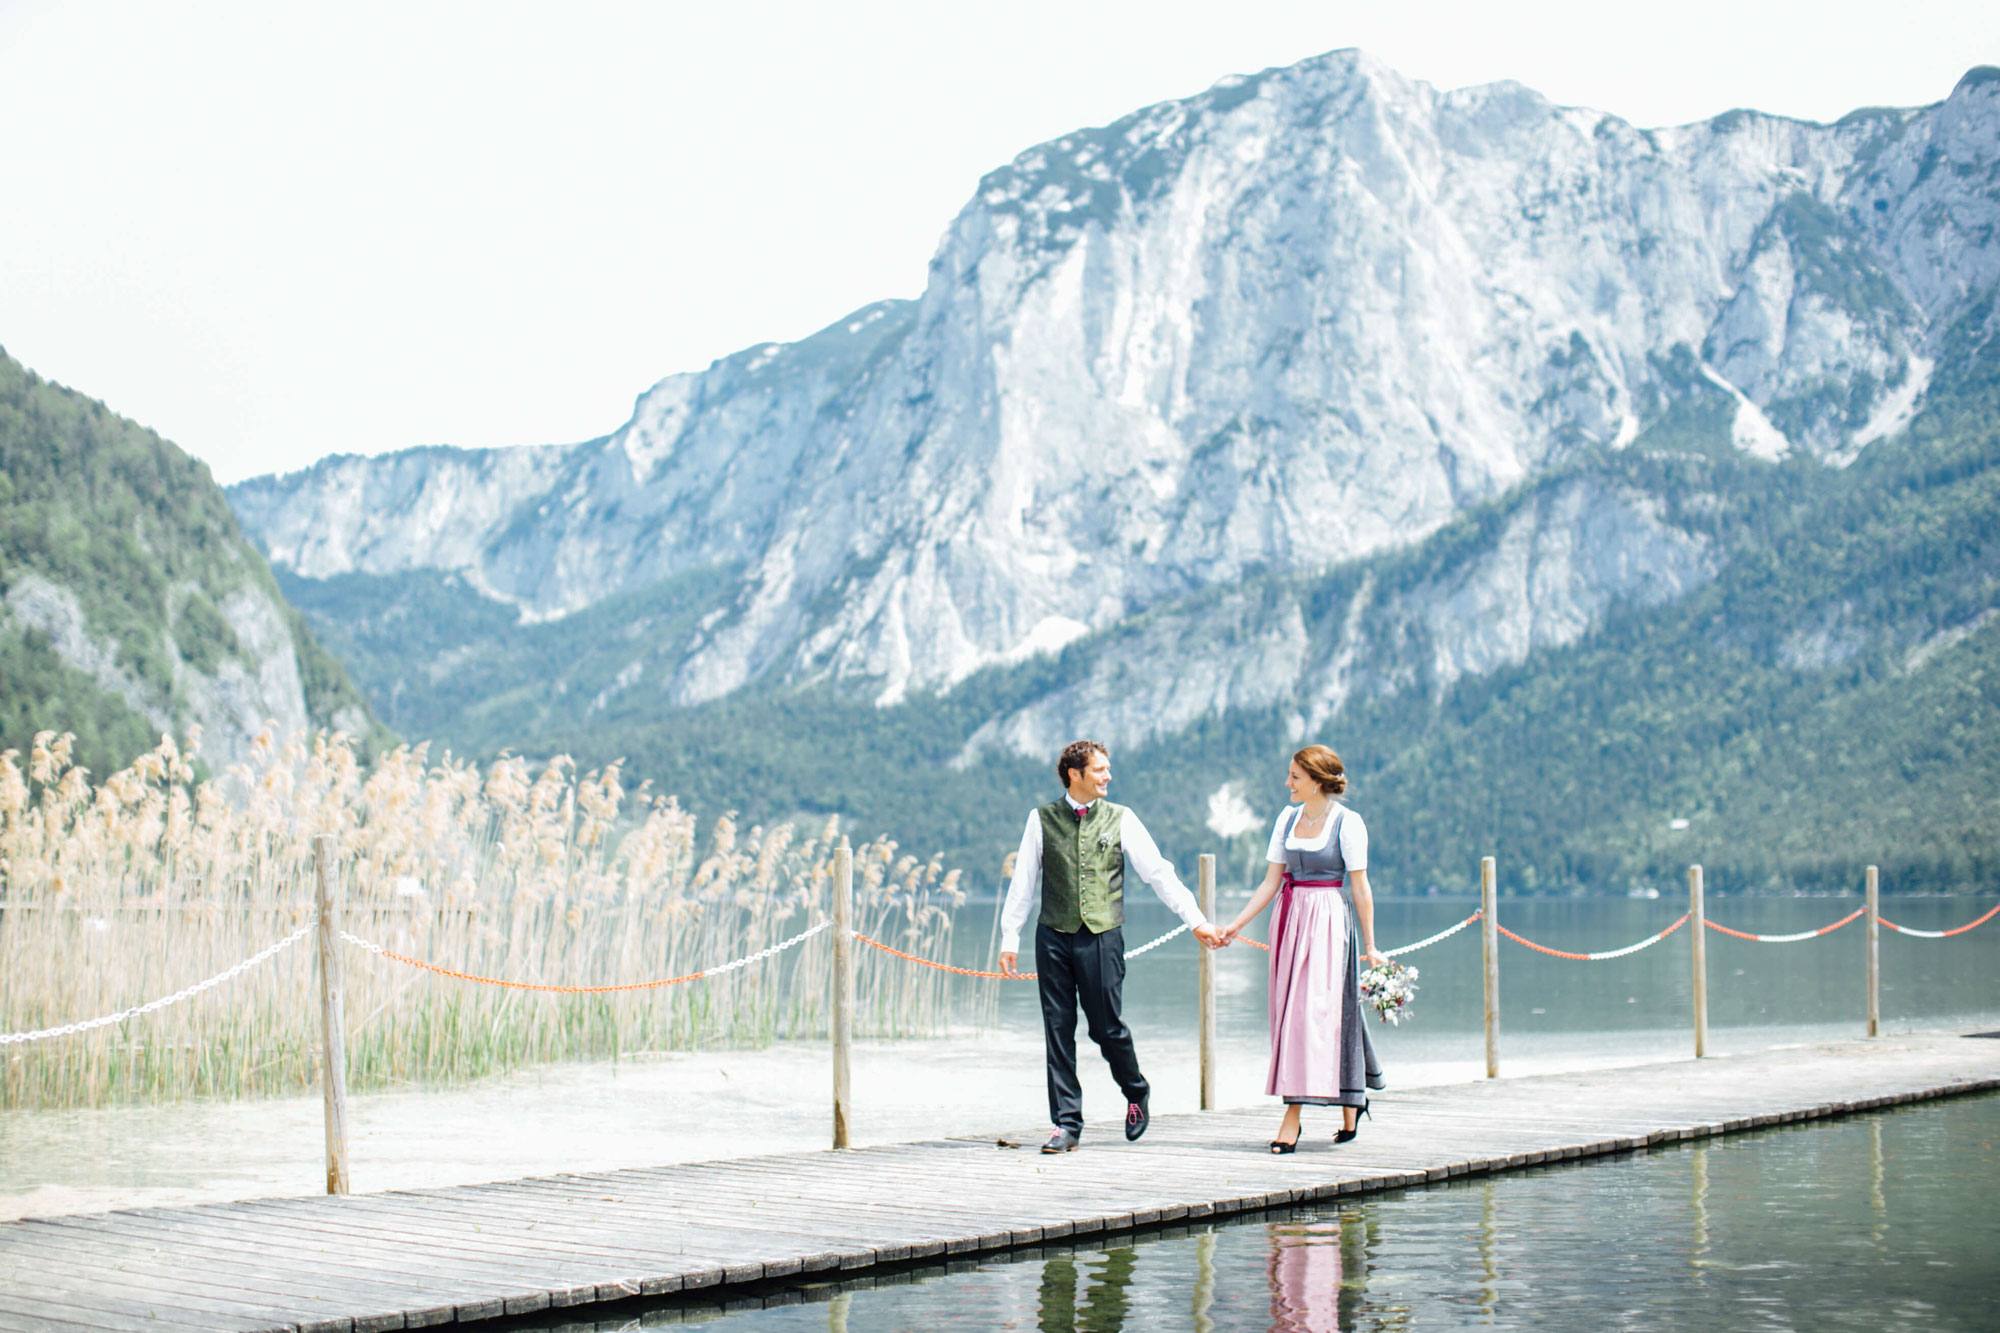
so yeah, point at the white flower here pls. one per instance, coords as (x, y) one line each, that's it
(1388, 989)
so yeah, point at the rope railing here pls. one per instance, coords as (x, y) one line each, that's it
(839, 926)
(1939, 934)
(1181, 929)
(719, 969)
(1794, 938)
(154, 1006)
(942, 967)
(1444, 934)
(706, 972)
(1607, 954)
(1148, 947)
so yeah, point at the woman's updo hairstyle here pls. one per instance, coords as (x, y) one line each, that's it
(1323, 766)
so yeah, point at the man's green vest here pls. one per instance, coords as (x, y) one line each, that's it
(1083, 867)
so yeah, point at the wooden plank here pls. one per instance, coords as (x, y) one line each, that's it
(756, 1242)
(155, 1304)
(923, 1236)
(1025, 1212)
(821, 1195)
(699, 1258)
(780, 1220)
(601, 1231)
(171, 1294)
(466, 1253)
(442, 1228)
(775, 1186)
(515, 1280)
(262, 1260)
(19, 1309)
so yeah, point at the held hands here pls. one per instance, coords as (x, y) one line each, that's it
(1215, 937)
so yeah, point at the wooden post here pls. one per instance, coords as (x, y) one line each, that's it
(1489, 938)
(1874, 953)
(1698, 918)
(332, 1026)
(1205, 981)
(843, 988)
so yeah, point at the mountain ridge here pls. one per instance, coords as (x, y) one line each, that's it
(131, 606)
(945, 505)
(1318, 327)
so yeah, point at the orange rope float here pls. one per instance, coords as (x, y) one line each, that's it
(1788, 939)
(944, 967)
(715, 971)
(1595, 957)
(534, 985)
(1940, 934)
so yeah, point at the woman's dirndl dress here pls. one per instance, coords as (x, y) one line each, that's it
(1320, 1051)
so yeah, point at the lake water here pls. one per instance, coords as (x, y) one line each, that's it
(1884, 1222)
(1555, 1015)
(1555, 1011)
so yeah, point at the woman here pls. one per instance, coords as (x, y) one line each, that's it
(1320, 1052)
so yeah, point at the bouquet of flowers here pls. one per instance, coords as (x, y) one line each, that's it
(1388, 989)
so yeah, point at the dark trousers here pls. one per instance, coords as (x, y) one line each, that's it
(1090, 970)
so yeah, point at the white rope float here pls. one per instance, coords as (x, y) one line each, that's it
(154, 1006)
(1181, 929)
(1444, 934)
(715, 971)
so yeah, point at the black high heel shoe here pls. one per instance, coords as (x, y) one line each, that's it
(1347, 1135)
(1280, 1147)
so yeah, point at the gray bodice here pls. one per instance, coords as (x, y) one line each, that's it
(1324, 863)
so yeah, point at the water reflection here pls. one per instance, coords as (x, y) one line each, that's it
(1698, 1181)
(1489, 1246)
(1878, 1204)
(1305, 1271)
(1879, 1223)
(1204, 1283)
(1104, 1305)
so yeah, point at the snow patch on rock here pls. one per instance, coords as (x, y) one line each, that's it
(1229, 813)
(1749, 430)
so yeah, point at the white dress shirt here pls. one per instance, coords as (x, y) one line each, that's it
(1140, 850)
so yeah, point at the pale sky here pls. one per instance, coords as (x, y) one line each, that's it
(275, 231)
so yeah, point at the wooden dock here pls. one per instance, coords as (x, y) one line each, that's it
(426, 1257)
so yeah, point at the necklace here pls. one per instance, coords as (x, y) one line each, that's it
(1308, 817)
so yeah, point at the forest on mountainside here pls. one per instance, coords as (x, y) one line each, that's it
(139, 534)
(1829, 700)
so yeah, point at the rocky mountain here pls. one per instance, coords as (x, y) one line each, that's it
(130, 604)
(1303, 395)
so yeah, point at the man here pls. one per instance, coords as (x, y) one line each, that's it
(1074, 849)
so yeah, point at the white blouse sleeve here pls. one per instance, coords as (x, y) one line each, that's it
(1276, 854)
(1353, 841)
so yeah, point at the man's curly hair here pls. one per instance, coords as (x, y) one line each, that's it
(1076, 757)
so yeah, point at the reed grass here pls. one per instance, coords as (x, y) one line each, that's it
(116, 893)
